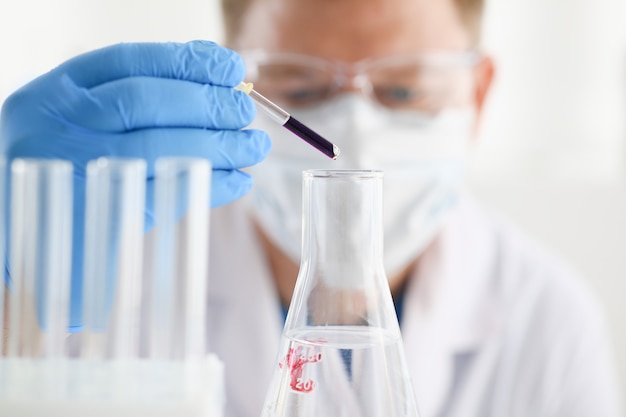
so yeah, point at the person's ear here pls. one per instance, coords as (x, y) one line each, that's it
(483, 77)
(483, 73)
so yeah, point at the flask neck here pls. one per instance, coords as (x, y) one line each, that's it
(343, 228)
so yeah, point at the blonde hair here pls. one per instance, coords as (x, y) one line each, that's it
(233, 11)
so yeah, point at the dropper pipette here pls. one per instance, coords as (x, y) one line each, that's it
(292, 124)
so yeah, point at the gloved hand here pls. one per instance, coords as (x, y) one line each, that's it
(137, 101)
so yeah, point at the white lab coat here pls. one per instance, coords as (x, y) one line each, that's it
(492, 327)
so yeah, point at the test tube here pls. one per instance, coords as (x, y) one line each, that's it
(3, 218)
(179, 276)
(114, 226)
(40, 257)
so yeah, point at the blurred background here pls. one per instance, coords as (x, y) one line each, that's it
(552, 152)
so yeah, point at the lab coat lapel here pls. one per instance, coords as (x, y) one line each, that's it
(447, 307)
(245, 312)
(428, 356)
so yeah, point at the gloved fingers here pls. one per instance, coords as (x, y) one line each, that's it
(143, 102)
(226, 149)
(198, 61)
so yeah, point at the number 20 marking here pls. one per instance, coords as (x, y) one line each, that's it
(304, 386)
(295, 361)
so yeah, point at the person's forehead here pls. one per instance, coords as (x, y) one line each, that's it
(351, 30)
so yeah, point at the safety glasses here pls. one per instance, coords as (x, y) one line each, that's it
(425, 82)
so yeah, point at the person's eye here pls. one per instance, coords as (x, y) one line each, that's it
(398, 95)
(304, 96)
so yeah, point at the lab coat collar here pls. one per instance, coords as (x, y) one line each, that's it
(447, 307)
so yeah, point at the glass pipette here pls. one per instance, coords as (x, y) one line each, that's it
(290, 123)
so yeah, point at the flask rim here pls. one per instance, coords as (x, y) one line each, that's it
(342, 173)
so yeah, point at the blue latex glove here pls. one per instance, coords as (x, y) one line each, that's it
(137, 101)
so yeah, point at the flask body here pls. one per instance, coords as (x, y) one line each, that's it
(341, 352)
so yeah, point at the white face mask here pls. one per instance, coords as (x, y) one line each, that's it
(423, 159)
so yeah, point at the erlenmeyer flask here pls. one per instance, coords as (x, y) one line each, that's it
(341, 352)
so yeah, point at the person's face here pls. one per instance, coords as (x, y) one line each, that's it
(351, 31)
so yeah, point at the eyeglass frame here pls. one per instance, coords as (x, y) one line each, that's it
(355, 74)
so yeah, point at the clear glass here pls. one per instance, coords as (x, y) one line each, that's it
(114, 227)
(3, 222)
(341, 352)
(40, 258)
(178, 284)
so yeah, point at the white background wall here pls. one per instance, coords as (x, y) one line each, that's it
(552, 153)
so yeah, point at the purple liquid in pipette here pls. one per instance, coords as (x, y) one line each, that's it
(312, 138)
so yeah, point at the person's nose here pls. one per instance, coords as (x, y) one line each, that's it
(355, 83)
